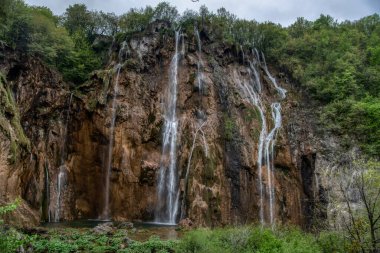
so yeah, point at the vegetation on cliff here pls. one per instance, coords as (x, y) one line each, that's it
(10, 124)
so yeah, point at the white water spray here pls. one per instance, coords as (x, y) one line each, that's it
(106, 210)
(269, 150)
(252, 91)
(62, 174)
(280, 90)
(270, 142)
(168, 188)
(255, 100)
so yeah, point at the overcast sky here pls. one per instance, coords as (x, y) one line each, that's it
(278, 11)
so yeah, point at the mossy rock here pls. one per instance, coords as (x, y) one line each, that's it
(10, 123)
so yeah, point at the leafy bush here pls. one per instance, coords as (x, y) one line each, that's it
(248, 239)
(333, 242)
(9, 208)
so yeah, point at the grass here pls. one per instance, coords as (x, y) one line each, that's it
(222, 240)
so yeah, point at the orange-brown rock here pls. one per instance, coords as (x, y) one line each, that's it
(222, 187)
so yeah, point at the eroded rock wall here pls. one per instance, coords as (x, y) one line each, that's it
(218, 128)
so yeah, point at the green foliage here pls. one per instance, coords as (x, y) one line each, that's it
(164, 11)
(81, 61)
(36, 31)
(71, 240)
(9, 208)
(10, 123)
(333, 242)
(229, 128)
(154, 244)
(11, 240)
(337, 63)
(77, 19)
(226, 240)
(250, 239)
(136, 20)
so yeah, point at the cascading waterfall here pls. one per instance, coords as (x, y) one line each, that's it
(269, 148)
(62, 174)
(199, 129)
(200, 66)
(280, 90)
(168, 188)
(255, 100)
(267, 139)
(257, 77)
(270, 141)
(106, 210)
(201, 122)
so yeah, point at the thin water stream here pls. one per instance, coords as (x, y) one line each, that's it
(168, 192)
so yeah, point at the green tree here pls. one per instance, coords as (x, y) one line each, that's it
(363, 223)
(78, 19)
(136, 20)
(164, 11)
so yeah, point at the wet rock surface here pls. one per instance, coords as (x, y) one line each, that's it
(222, 183)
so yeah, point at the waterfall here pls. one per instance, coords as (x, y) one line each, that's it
(124, 50)
(280, 90)
(61, 181)
(62, 174)
(106, 210)
(200, 66)
(242, 53)
(201, 122)
(269, 148)
(168, 188)
(47, 185)
(199, 63)
(265, 154)
(316, 182)
(255, 100)
(257, 77)
(199, 129)
(270, 141)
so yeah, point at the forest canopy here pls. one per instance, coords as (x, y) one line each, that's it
(335, 63)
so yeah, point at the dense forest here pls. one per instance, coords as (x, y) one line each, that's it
(335, 65)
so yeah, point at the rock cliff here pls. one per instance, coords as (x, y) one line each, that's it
(55, 139)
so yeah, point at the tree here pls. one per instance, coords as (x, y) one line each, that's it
(298, 28)
(105, 23)
(136, 20)
(77, 18)
(164, 11)
(361, 184)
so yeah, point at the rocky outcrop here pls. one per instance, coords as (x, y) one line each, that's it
(30, 143)
(217, 166)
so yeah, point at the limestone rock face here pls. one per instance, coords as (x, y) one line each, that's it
(70, 133)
